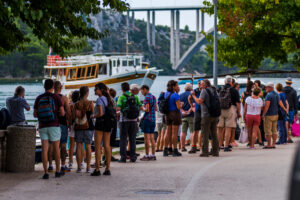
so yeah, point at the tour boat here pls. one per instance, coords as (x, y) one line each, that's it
(88, 70)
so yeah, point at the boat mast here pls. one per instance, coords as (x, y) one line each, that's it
(127, 42)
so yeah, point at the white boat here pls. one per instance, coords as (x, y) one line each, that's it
(88, 70)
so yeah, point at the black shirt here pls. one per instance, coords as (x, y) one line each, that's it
(235, 96)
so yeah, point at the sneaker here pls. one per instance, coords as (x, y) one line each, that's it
(88, 170)
(50, 168)
(137, 154)
(82, 166)
(113, 159)
(226, 149)
(145, 158)
(62, 171)
(96, 173)
(152, 157)
(229, 146)
(103, 158)
(46, 176)
(261, 144)
(184, 150)
(166, 153)
(107, 173)
(204, 155)
(58, 174)
(78, 170)
(215, 154)
(133, 160)
(122, 161)
(193, 150)
(71, 166)
(170, 150)
(278, 143)
(197, 149)
(176, 153)
(159, 150)
(290, 141)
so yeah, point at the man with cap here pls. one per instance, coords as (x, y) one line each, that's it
(291, 96)
(270, 115)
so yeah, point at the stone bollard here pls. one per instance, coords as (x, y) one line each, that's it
(20, 148)
(2, 149)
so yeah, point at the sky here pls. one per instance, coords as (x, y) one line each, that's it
(163, 17)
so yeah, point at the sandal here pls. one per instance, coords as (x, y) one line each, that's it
(266, 147)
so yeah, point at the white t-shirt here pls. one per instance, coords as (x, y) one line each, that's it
(254, 106)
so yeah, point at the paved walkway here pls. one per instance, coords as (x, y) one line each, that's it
(240, 175)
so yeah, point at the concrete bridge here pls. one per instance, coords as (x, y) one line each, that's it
(178, 61)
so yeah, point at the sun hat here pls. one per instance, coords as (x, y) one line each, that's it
(270, 84)
(289, 80)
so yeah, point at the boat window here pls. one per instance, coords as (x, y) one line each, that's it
(82, 75)
(93, 71)
(114, 63)
(89, 70)
(130, 63)
(102, 69)
(118, 63)
(72, 74)
(78, 72)
(137, 62)
(124, 63)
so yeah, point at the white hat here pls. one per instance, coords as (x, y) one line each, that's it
(270, 84)
(134, 87)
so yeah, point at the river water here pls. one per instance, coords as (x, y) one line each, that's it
(34, 89)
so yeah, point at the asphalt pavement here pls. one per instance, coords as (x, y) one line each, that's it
(243, 174)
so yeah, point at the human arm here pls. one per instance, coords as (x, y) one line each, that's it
(245, 111)
(146, 108)
(282, 106)
(61, 111)
(67, 109)
(287, 106)
(267, 105)
(238, 106)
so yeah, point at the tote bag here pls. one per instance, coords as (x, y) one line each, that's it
(295, 128)
(243, 136)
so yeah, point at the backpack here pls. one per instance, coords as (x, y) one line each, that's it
(46, 109)
(109, 115)
(131, 110)
(81, 120)
(5, 118)
(225, 98)
(214, 109)
(163, 104)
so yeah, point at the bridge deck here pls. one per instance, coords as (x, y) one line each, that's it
(166, 8)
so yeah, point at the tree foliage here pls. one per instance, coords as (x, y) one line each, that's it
(255, 30)
(56, 22)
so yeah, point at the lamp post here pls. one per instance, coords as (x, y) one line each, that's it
(215, 68)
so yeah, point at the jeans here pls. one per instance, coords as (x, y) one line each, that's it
(128, 129)
(282, 131)
(209, 127)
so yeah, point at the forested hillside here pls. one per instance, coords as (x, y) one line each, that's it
(30, 62)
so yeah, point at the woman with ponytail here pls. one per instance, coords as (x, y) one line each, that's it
(103, 113)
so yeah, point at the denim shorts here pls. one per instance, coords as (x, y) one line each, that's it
(50, 133)
(64, 134)
(84, 136)
(148, 126)
(290, 117)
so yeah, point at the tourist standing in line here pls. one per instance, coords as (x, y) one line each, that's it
(161, 127)
(148, 123)
(187, 115)
(63, 123)
(104, 123)
(208, 121)
(282, 114)
(129, 105)
(74, 99)
(230, 105)
(291, 96)
(16, 106)
(252, 109)
(47, 108)
(262, 95)
(270, 115)
(196, 136)
(113, 134)
(173, 118)
(84, 128)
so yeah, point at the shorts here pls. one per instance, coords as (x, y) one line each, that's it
(228, 118)
(84, 136)
(187, 123)
(270, 125)
(50, 133)
(290, 117)
(64, 134)
(160, 127)
(197, 120)
(173, 118)
(148, 126)
(103, 125)
(253, 120)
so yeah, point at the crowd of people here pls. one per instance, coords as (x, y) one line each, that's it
(194, 117)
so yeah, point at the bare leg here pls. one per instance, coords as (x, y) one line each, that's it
(199, 139)
(227, 136)
(152, 140)
(56, 154)
(182, 140)
(174, 136)
(163, 132)
(45, 147)
(71, 150)
(221, 132)
(168, 136)
(158, 142)
(106, 143)
(79, 156)
(147, 146)
(63, 153)
(250, 135)
(98, 138)
(88, 155)
(274, 137)
(269, 138)
(50, 153)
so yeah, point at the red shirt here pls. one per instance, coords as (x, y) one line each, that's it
(58, 104)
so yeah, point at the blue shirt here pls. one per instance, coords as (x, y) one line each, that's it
(282, 98)
(197, 94)
(274, 103)
(172, 101)
(16, 106)
(101, 101)
(184, 97)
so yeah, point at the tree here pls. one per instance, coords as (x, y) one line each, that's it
(57, 22)
(257, 29)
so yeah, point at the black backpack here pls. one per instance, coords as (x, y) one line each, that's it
(5, 118)
(131, 110)
(163, 104)
(215, 108)
(225, 98)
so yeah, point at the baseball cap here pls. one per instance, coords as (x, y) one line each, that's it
(270, 84)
